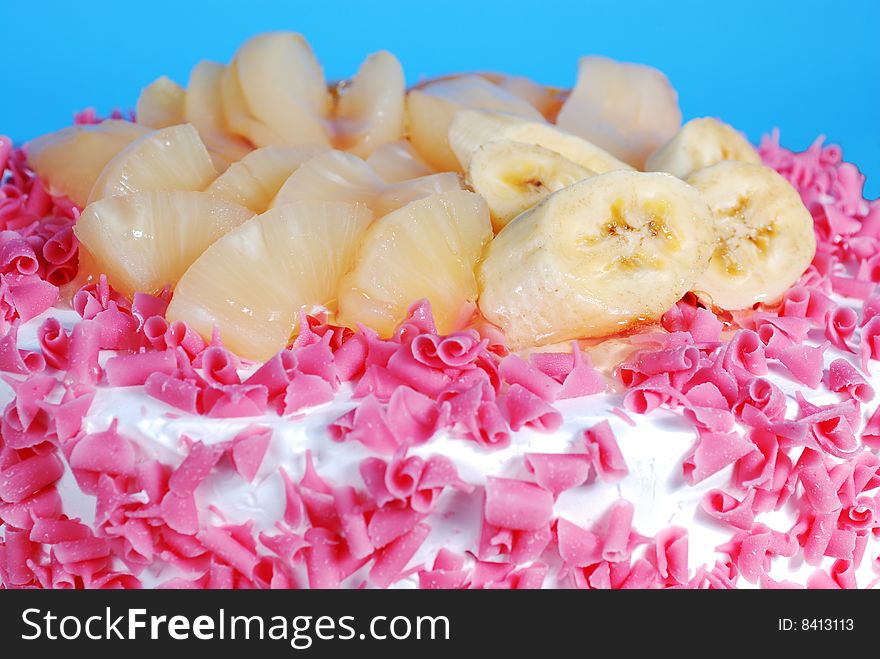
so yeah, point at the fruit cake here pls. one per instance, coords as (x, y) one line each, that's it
(270, 332)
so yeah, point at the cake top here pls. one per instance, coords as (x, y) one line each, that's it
(260, 191)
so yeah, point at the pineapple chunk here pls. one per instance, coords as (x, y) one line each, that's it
(283, 88)
(71, 160)
(173, 158)
(398, 161)
(253, 282)
(430, 110)
(427, 249)
(370, 112)
(255, 180)
(203, 108)
(147, 240)
(161, 104)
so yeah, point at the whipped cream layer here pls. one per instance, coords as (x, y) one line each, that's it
(654, 447)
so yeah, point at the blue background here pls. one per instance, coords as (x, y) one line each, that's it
(809, 67)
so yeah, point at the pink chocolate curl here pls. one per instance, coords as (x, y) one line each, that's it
(577, 546)
(671, 554)
(605, 454)
(25, 478)
(515, 371)
(557, 472)
(522, 408)
(134, 369)
(712, 453)
(248, 450)
(840, 326)
(195, 467)
(105, 452)
(391, 560)
(517, 505)
(843, 378)
(728, 509)
(54, 343)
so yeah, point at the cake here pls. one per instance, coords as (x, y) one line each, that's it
(266, 332)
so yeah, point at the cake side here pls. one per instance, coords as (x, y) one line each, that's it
(445, 337)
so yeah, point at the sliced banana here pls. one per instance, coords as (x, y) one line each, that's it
(513, 176)
(595, 258)
(764, 234)
(701, 143)
(471, 129)
(627, 109)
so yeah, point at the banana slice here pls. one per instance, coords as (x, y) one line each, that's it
(595, 258)
(764, 235)
(627, 109)
(701, 143)
(471, 129)
(513, 176)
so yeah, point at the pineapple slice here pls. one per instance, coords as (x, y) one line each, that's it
(398, 161)
(173, 158)
(545, 100)
(283, 87)
(427, 249)
(398, 195)
(161, 104)
(630, 110)
(252, 282)
(146, 240)
(274, 93)
(341, 176)
(255, 180)
(430, 109)
(331, 176)
(238, 116)
(203, 108)
(70, 161)
(369, 111)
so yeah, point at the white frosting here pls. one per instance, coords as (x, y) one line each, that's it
(654, 449)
